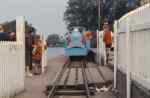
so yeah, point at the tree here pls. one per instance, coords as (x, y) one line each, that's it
(54, 40)
(84, 13)
(81, 13)
(114, 9)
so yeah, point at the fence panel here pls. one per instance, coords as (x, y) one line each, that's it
(139, 47)
(12, 62)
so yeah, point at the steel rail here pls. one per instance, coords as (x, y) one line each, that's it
(67, 76)
(58, 78)
(85, 80)
(67, 68)
(76, 76)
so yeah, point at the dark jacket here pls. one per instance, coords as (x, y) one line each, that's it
(4, 36)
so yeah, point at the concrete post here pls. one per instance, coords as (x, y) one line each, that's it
(20, 34)
(20, 29)
(115, 53)
(97, 35)
(100, 47)
(44, 59)
(128, 58)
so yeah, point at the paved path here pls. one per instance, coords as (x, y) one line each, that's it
(35, 86)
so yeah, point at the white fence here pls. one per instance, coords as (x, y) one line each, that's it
(132, 46)
(12, 62)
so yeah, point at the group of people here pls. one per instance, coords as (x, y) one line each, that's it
(34, 50)
(78, 39)
(6, 36)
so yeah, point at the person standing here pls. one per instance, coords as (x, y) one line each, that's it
(28, 54)
(87, 36)
(107, 39)
(6, 36)
(68, 40)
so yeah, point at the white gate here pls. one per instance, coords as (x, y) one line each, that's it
(12, 62)
(132, 46)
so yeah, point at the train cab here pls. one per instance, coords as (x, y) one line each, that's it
(78, 45)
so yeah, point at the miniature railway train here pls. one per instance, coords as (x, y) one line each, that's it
(78, 45)
(75, 77)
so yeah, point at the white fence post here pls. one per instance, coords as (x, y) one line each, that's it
(44, 59)
(20, 29)
(44, 54)
(128, 58)
(20, 33)
(97, 33)
(12, 62)
(115, 53)
(99, 49)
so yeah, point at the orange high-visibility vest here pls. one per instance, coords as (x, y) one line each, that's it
(88, 35)
(107, 38)
(37, 54)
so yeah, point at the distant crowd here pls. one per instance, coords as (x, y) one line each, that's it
(82, 38)
(34, 47)
(6, 36)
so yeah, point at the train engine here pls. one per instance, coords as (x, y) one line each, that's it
(78, 44)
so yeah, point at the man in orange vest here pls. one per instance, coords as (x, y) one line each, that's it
(107, 39)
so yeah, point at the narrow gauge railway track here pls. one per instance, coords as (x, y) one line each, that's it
(86, 89)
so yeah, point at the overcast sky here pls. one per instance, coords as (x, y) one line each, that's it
(45, 15)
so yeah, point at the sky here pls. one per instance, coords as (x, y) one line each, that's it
(45, 15)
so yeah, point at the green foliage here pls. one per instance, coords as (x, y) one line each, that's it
(81, 13)
(124, 6)
(84, 13)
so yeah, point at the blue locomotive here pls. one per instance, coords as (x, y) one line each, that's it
(78, 45)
